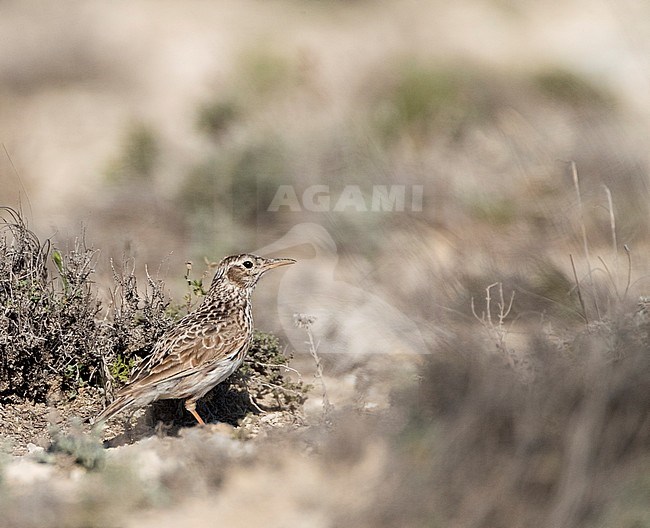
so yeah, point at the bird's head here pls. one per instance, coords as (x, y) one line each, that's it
(243, 271)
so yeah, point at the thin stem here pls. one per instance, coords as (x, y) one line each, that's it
(582, 303)
(576, 183)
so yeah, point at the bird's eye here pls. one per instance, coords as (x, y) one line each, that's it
(247, 264)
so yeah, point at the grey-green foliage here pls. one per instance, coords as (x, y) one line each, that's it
(84, 449)
(47, 324)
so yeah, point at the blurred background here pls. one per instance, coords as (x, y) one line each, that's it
(184, 131)
(409, 154)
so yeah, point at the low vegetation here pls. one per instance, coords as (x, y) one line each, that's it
(57, 336)
(561, 438)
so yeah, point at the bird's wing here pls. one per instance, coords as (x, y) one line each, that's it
(191, 345)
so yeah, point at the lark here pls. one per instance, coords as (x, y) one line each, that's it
(204, 347)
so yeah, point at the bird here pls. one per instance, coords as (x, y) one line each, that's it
(204, 347)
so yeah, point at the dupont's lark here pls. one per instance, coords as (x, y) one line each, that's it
(205, 347)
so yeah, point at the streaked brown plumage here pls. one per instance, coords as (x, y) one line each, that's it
(205, 347)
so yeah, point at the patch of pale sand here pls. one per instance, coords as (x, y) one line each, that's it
(287, 490)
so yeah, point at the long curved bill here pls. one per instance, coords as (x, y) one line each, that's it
(276, 263)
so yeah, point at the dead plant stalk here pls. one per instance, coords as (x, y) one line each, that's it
(305, 322)
(496, 329)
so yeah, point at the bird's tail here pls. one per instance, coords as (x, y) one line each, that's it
(119, 404)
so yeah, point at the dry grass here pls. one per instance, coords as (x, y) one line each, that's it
(482, 447)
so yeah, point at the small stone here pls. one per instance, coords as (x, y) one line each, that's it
(33, 448)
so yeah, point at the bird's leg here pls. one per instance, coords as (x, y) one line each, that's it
(190, 405)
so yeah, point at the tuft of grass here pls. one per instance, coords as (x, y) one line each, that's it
(419, 100)
(255, 176)
(549, 283)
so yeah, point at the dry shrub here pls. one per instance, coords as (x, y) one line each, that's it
(47, 325)
(52, 337)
